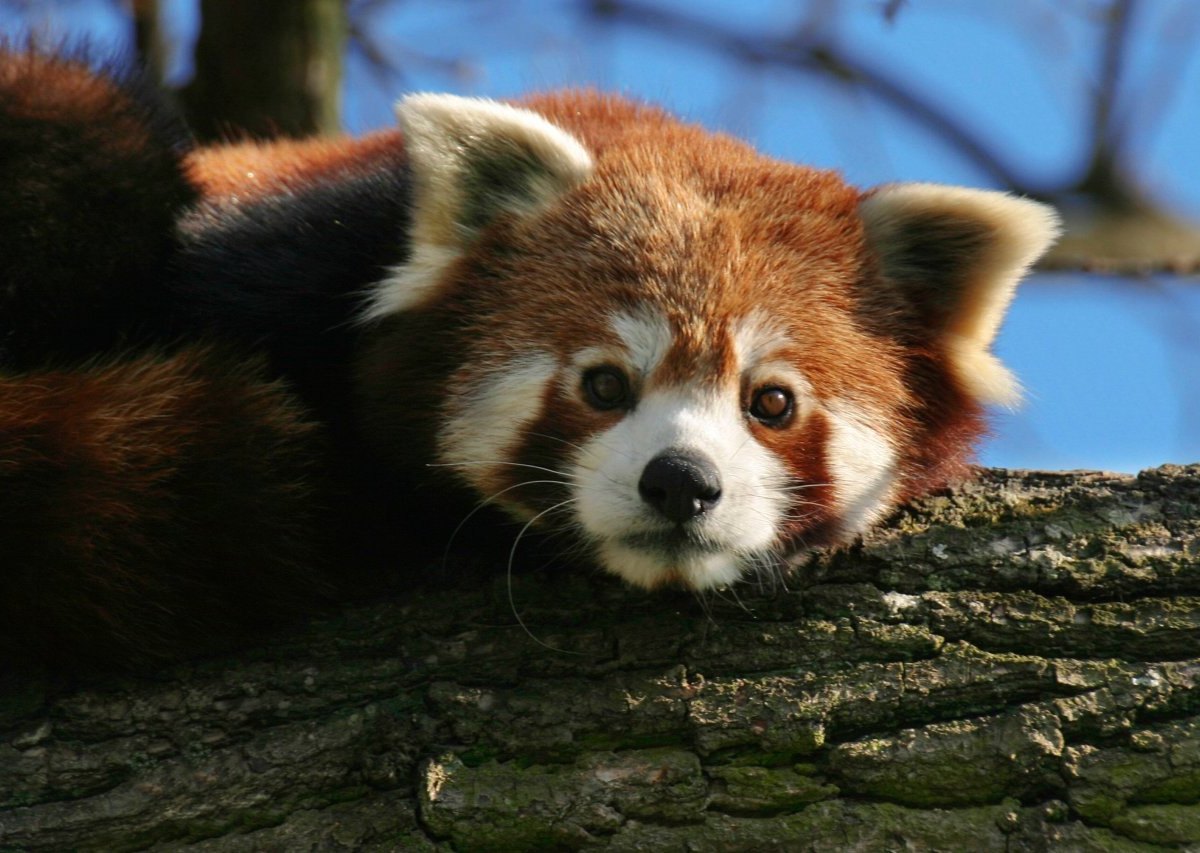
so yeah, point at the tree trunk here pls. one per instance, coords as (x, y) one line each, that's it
(266, 68)
(1015, 665)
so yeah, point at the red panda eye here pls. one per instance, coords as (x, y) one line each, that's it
(772, 405)
(606, 387)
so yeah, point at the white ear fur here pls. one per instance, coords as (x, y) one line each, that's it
(471, 158)
(990, 238)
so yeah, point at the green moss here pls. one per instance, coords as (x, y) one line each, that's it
(1112, 778)
(504, 806)
(763, 790)
(1096, 805)
(1181, 787)
(959, 763)
(1160, 824)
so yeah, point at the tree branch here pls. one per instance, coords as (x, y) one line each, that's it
(809, 53)
(1013, 665)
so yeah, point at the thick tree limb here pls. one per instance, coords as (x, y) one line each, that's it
(1014, 665)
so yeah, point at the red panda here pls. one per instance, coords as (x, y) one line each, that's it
(690, 358)
(694, 358)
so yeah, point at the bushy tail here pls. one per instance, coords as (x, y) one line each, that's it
(150, 506)
(91, 187)
(153, 503)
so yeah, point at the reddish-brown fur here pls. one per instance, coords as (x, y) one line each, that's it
(244, 171)
(154, 501)
(89, 190)
(707, 231)
(791, 242)
(150, 505)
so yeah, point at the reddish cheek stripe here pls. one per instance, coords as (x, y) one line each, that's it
(549, 442)
(811, 514)
(947, 424)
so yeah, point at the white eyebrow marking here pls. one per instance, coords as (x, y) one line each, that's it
(486, 420)
(756, 336)
(647, 337)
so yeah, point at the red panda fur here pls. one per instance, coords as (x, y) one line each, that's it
(157, 496)
(691, 358)
(90, 188)
(151, 505)
(249, 169)
(789, 223)
(706, 234)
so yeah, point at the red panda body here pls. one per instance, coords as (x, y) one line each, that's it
(692, 359)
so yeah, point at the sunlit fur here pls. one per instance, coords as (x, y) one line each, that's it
(187, 335)
(704, 272)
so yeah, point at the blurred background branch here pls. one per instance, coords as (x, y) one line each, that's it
(275, 67)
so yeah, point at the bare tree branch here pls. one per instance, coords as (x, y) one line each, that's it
(811, 53)
(1105, 177)
(1112, 65)
(1014, 665)
(1121, 267)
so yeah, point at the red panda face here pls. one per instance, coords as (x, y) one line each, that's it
(694, 358)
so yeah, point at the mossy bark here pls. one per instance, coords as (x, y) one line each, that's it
(1014, 665)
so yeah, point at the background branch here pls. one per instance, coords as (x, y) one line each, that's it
(813, 52)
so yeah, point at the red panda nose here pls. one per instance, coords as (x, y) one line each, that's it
(680, 486)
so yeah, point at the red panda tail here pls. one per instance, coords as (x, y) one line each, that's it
(91, 185)
(150, 506)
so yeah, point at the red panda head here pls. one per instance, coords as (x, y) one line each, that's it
(694, 357)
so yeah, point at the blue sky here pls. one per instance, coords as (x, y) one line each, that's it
(1111, 366)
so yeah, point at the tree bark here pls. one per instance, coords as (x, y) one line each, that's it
(1013, 665)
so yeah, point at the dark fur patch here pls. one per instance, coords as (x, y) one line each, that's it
(288, 273)
(151, 505)
(90, 185)
(927, 257)
(497, 182)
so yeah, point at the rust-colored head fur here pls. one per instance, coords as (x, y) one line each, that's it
(694, 356)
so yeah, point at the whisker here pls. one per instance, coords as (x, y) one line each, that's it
(564, 474)
(509, 574)
(484, 503)
(701, 597)
(579, 447)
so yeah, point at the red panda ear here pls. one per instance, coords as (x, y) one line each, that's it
(956, 255)
(471, 159)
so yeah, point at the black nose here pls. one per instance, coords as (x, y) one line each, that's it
(681, 486)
